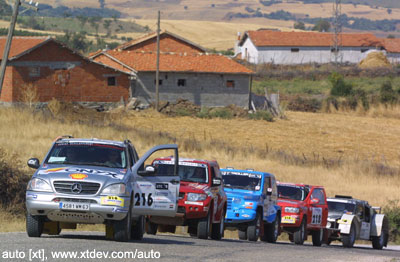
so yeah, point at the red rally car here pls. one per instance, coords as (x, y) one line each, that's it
(202, 200)
(304, 212)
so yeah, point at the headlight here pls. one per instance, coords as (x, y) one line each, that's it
(38, 184)
(196, 197)
(115, 189)
(291, 209)
(328, 225)
(236, 200)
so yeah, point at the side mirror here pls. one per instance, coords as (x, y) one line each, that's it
(315, 201)
(217, 181)
(148, 171)
(269, 191)
(33, 163)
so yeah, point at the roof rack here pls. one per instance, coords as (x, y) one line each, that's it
(127, 141)
(63, 136)
(341, 196)
(229, 167)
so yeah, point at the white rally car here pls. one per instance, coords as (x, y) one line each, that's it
(92, 181)
(351, 219)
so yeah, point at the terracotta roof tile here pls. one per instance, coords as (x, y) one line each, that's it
(391, 45)
(20, 45)
(173, 62)
(277, 38)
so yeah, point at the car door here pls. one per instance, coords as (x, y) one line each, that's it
(365, 218)
(318, 212)
(271, 193)
(155, 194)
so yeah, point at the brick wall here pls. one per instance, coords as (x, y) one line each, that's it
(167, 44)
(66, 77)
(7, 90)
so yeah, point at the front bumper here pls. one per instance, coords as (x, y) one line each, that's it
(290, 220)
(241, 215)
(48, 204)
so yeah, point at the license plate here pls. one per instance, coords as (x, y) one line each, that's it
(75, 206)
(288, 220)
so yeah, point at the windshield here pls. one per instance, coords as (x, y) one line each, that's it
(292, 192)
(341, 207)
(87, 154)
(242, 180)
(190, 172)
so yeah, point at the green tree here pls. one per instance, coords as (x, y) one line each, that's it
(299, 25)
(322, 26)
(386, 94)
(107, 24)
(339, 86)
(82, 19)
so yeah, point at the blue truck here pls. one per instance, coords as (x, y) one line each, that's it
(252, 204)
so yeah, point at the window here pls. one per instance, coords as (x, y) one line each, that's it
(295, 50)
(230, 83)
(181, 82)
(34, 71)
(111, 81)
(333, 50)
(159, 82)
(319, 194)
(363, 50)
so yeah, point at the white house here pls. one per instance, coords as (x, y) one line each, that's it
(267, 46)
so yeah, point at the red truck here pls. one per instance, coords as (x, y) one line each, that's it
(202, 201)
(304, 212)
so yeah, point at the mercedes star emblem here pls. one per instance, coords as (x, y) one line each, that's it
(76, 188)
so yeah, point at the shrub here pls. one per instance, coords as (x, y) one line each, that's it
(204, 113)
(339, 86)
(304, 104)
(386, 93)
(262, 115)
(224, 113)
(183, 112)
(392, 211)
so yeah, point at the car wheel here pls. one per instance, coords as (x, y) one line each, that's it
(217, 231)
(253, 230)
(34, 225)
(271, 231)
(122, 228)
(242, 234)
(300, 235)
(380, 242)
(317, 237)
(349, 239)
(151, 228)
(138, 229)
(203, 227)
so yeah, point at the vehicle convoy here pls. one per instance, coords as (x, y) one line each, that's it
(252, 204)
(202, 200)
(351, 219)
(304, 212)
(92, 181)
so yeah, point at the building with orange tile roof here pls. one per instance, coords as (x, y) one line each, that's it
(392, 47)
(276, 47)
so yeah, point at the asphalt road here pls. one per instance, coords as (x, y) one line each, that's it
(92, 246)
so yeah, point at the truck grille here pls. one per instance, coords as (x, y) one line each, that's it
(76, 188)
(229, 203)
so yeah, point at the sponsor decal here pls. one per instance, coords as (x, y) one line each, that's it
(145, 185)
(161, 206)
(241, 174)
(162, 193)
(194, 203)
(33, 196)
(78, 176)
(162, 186)
(316, 217)
(112, 201)
(181, 163)
(82, 171)
(288, 220)
(245, 215)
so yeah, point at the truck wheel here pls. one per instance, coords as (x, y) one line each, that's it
(217, 231)
(379, 242)
(203, 227)
(34, 225)
(151, 228)
(138, 229)
(253, 230)
(349, 239)
(300, 235)
(242, 234)
(271, 231)
(317, 237)
(122, 228)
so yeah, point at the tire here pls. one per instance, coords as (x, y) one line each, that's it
(137, 230)
(203, 227)
(271, 231)
(380, 242)
(349, 239)
(34, 225)
(242, 234)
(151, 228)
(300, 235)
(217, 231)
(253, 230)
(123, 228)
(317, 237)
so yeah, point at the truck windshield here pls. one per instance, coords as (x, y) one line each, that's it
(242, 180)
(87, 154)
(292, 192)
(341, 207)
(190, 173)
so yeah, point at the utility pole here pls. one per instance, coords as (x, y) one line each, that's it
(337, 27)
(158, 63)
(10, 36)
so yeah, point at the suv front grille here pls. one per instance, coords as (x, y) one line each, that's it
(76, 188)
